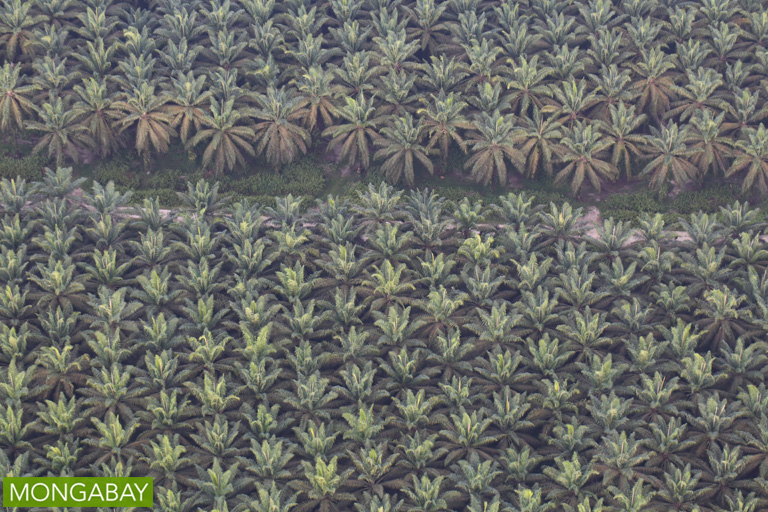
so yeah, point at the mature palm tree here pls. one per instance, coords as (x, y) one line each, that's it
(708, 137)
(700, 93)
(572, 101)
(358, 133)
(443, 119)
(14, 103)
(671, 153)
(142, 110)
(611, 88)
(746, 110)
(539, 136)
(622, 137)
(316, 97)
(99, 115)
(400, 145)
(527, 85)
(582, 147)
(752, 155)
(277, 133)
(431, 27)
(492, 144)
(188, 104)
(442, 75)
(16, 23)
(655, 83)
(226, 138)
(63, 134)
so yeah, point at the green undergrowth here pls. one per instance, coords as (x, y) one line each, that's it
(305, 178)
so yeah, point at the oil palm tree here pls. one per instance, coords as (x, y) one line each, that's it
(752, 155)
(655, 83)
(708, 137)
(670, 153)
(700, 93)
(188, 104)
(431, 26)
(400, 145)
(539, 137)
(581, 154)
(492, 144)
(227, 137)
(99, 115)
(621, 133)
(358, 133)
(16, 27)
(143, 111)
(316, 97)
(277, 133)
(14, 103)
(63, 134)
(527, 83)
(443, 119)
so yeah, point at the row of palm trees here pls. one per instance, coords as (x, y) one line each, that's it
(585, 92)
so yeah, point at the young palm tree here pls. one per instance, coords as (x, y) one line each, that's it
(582, 147)
(400, 145)
(226, 138)
(752, 154)
(492, 144)
(278, 136)
(142, 110)
(358, 133)
(63, 136)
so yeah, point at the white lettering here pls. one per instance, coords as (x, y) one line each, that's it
(94, 492)
(23, 496)
(35, 486)
(127, 491)
(111, 492)
(80, 496)
(62, 495)
(141, 491)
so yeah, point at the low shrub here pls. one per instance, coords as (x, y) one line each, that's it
(638, 202)
(169, 179)
(29, 168)
(456, 194)
(120, 170)
(544, 197)
(708, 200)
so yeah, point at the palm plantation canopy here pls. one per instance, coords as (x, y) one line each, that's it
(398, 351)
(581, 92)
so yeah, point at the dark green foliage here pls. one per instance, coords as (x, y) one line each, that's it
(29, 168)
(167, 179)
(120, 170)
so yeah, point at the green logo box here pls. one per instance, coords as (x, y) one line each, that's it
(77, 492)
